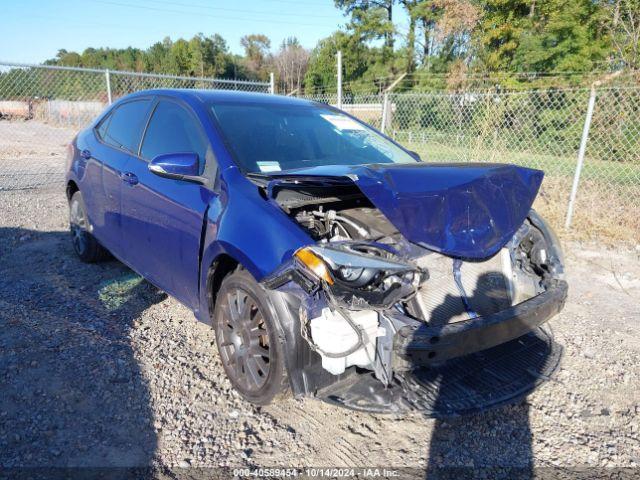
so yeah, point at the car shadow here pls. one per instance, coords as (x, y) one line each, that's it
(488, 440)
(73, 393)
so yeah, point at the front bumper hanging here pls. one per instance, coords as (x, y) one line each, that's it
(424, 345)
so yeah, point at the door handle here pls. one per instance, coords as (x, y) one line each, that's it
(86, 154)
(130, 178)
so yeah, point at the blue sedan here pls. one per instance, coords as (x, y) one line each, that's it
(327, 257)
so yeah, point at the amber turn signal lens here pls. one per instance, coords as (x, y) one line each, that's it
(315, 264)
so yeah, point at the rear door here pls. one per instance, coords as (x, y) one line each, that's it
(163, 218)
(118, 136)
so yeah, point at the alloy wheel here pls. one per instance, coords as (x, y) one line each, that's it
(244, 342)
(78, 226)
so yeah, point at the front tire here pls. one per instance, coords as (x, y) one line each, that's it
(85, 245)
(247, 339)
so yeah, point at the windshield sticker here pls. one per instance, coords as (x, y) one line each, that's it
(269, 166)
(342, 122)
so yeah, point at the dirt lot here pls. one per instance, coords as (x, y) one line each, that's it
(98, 368)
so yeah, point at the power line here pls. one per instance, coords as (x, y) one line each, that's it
(219, 17)
(89, 24)
(297, 2)
(257, 12)
(510, 73)
(373, 86)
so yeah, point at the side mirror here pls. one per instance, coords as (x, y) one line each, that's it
(177, 166)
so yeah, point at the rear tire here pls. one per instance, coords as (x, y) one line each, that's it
(85, 245)
(248, 341)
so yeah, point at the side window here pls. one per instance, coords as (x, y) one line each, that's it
(123, 127)
(104, 124)
(172, 129)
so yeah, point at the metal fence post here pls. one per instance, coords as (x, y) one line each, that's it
(385, 112)
(107, 78)
(272, 83)
(581, 153)
(339, 103)
(385, 102)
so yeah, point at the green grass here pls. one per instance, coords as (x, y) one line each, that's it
(115, 293)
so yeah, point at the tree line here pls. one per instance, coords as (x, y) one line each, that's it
(447, 44)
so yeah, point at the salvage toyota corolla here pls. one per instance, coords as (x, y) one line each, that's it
(319, 250)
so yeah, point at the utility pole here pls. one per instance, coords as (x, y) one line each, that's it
(339, 55)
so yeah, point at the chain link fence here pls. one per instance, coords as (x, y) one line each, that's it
(41, 108)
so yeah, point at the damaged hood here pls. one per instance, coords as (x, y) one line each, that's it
(461, 210)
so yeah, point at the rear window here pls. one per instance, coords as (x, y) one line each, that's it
(122, 128)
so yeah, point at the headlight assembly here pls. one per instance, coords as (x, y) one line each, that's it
(314, 264)
(360, 273)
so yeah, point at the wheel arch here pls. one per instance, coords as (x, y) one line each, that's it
(219, 268)
(72, 187)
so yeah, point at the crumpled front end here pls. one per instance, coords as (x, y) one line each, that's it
(374, 305)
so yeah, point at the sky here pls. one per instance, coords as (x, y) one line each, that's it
(34, 30)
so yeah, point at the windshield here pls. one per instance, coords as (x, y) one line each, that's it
(271, 138)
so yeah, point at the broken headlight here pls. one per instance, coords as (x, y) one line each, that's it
(360, 275)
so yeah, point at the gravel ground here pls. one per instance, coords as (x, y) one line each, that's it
(32, 154)
(98, 368)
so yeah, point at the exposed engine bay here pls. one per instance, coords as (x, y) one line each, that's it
(371, 299)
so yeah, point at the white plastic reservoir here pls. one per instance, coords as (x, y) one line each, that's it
(333, 334)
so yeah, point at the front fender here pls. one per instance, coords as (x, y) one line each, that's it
(252, 230)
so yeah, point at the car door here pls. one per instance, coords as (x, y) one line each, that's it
(163, 218)
(117, 139)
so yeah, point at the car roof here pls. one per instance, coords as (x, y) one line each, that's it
(224, 96)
